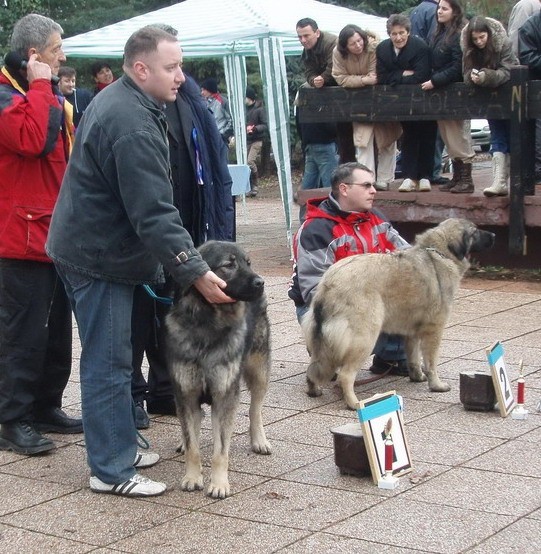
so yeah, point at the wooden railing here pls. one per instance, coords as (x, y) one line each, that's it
(519, 100)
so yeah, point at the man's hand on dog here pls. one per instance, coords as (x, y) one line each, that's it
(210, 286)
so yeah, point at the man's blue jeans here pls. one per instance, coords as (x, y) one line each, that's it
(103, 312)
(319, 163)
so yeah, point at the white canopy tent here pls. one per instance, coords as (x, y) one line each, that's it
(234, 29)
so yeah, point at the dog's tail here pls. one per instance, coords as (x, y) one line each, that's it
(312, 326)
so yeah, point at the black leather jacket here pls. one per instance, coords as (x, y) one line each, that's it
(114, 218)
(529, 45)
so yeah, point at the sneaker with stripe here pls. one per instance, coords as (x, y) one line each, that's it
(145, 459)
(136, 486)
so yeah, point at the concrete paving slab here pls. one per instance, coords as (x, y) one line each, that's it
(518, 457)
(486, 491)
(242, 420)
(323, 543)
(469, 331)
(212, 534)
(294, 397)
(286, 456)
(325, 473)
(294, 505)
(408, 524)
(16, 541)
(67, 467)
(281, 371)
(307, 428)
(532, 435)
(172, 472)
(471, 422)
(96, 519)
(282, 335)
(446, 447)
(521, 537)
(293, 353)
(21, 493)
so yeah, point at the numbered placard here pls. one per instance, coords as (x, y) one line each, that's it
(502, 385)
(381, 416)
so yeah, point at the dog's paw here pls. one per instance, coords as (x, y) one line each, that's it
(192, 483)
(261, 446)
(439, 386)
(416, 375)
(218, 490)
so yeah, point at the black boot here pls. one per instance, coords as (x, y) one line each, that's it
(164, 405)
(55, 420)
(458, 168)
(465, 185)
(253, 185)
(21, 437)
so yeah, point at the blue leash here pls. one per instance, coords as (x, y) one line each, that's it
(141, 441)
(163, 299)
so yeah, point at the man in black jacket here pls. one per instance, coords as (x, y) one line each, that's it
(529, 50)
(256, 129)
(317, 54)
(202, 195)
(115, 227)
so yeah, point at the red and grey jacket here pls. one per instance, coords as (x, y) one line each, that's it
(330, 234)
(33, 159)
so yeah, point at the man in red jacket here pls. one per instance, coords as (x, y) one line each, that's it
(35, 317)
(342, 225)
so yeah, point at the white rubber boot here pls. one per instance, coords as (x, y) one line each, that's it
(500, 175)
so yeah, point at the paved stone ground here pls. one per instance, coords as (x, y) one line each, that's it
(475, 486)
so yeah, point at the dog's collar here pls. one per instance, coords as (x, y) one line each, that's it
(430, 249)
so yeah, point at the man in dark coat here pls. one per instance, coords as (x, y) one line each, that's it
(317, 54)
(529, 50)
(423, 19)
(256, 130)
(115, 227)
(202, 195)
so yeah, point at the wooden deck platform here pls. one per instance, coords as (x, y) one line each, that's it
(518, 101)
(412, 212)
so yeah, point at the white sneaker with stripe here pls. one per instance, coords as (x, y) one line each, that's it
(145, 459)
(136, 486)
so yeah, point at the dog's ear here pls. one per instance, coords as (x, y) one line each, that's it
(461, 248)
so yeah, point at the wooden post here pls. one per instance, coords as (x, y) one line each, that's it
(522, 146)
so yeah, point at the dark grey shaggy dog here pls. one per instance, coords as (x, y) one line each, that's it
(210, 347)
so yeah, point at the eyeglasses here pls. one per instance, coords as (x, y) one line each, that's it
(365, 185)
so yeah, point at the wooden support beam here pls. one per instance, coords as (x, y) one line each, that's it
(522, 148)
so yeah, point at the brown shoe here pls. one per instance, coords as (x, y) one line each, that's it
(462, 188)
(446, 188)
(464, 185)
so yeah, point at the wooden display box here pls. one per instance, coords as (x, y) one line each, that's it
(477, 391)
(349, 450)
